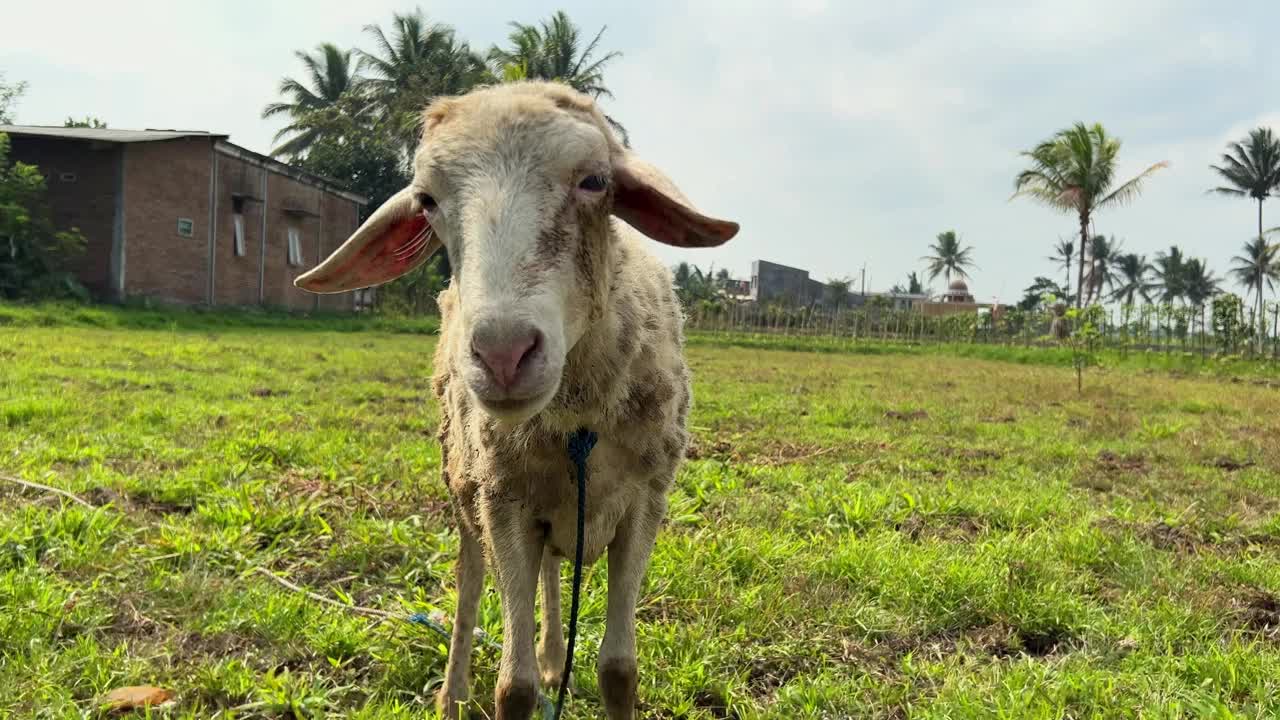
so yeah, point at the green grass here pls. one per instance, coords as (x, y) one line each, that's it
(866, 535)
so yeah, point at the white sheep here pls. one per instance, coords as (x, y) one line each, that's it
(557, 317)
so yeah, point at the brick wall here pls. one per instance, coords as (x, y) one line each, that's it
(86, 201)
(236, 277)
(168, 180)
(284, 194)
(340, 222)
(164, 181)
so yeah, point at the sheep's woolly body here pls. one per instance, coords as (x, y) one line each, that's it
(626, 379)
(502, 177)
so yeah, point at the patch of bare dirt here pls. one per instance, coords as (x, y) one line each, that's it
(1230, 464)
(264, 392)
(718, 450)
(1172, 537)
(941, 527)
(714, 702)
(997, 639)
(907, 415)
(978, 454)
(790, 453)
(1159, 534)
(772, 454)
(768, 674)
(1257, 610)
(1113, 463)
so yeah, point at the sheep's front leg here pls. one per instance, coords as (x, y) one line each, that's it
(628, 559)
(517, 554)
(551, 649)
(470, 570)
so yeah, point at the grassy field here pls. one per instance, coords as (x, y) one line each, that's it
(855, 536)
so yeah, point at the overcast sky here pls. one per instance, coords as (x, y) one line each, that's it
(837, 133)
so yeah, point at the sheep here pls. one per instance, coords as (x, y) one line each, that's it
(557, 317)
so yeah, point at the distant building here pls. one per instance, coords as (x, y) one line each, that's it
(776, 283)
(188, 217)
(957, 299)
(957, 292)
(772, 282)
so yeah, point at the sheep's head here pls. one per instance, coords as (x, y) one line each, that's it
(517, 182)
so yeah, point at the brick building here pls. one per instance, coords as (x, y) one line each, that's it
(188, 217)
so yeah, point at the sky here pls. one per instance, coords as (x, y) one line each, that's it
(842, 136)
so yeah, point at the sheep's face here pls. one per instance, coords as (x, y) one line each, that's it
(517, 183)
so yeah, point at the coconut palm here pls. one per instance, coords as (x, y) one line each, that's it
(1258, 269)
(838, 291)
(417, 61)
(1063, 254)
(914, 286)
(948, 257)
(1074, 171)
(1132, 279)
(1199, 284)
(1170, 273)
(1103, 255)
(1251, 168)
(332, 77)
(554, 50)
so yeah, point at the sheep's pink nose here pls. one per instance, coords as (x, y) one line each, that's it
(505, 351)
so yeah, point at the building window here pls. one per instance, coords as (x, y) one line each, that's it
(186, 227)
(295, 247)
(237, 229)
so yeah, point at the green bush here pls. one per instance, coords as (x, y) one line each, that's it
(33, 254)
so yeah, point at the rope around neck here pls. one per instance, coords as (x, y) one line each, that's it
(579, 447)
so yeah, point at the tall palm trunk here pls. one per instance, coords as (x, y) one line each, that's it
(1084, 242)
(1260, 217)
(1262, 322)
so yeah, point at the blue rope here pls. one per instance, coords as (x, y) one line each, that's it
(580, 445)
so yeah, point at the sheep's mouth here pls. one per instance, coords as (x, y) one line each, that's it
(514, 410)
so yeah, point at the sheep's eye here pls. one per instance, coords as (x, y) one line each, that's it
(427, 202)
(593, 183)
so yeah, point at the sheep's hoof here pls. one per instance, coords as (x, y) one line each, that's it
(618, 680)
(515, 700)
(452, 705)
(551, 668)
(551, 679)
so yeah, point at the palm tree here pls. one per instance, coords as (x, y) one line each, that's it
(1103, 255)
(1170, 273)
(1063, 254)
(416, 62)
(914, 286)
(723, 279)
(1074, 171)
(1198, 282)
(555, 51)
(838, 291)
(948, 257)
(1251, 168)
(332, 79)
(1258, 269)
(1132, 276)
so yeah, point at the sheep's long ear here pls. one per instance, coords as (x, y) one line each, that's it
(394, 240)
(647, 200)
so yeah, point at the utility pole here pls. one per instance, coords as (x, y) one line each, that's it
(864, 279)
